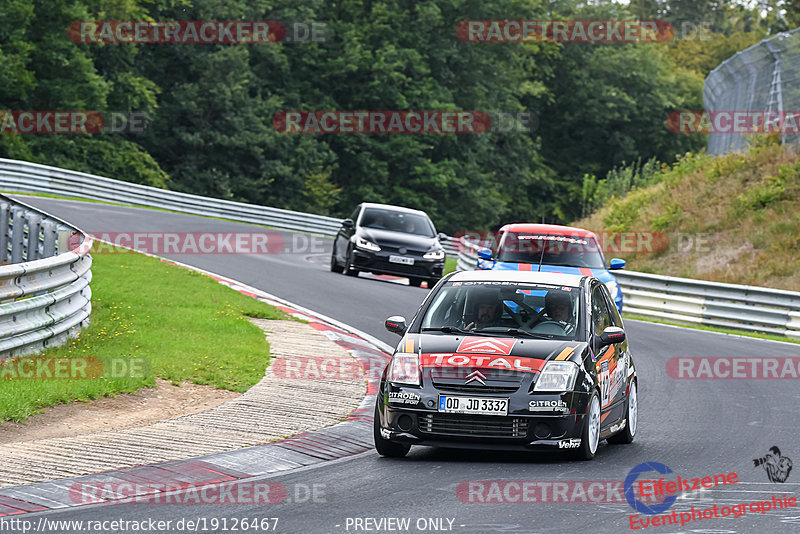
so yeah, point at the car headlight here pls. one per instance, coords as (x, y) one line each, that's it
(434, 255)
(557, 376)
(404, 369)
(613, 288)
(367, 245)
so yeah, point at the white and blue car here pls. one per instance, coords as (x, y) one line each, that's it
(551, 248)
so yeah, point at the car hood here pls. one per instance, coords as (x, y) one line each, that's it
(490, 352)
(398, 239)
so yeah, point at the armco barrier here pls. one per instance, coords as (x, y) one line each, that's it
(44, 280)
(696, 301)
(25, 177)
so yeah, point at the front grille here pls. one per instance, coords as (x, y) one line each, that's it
(398, 267)
(460, 388)
(408, 252)
(496, 380)
(478, 426)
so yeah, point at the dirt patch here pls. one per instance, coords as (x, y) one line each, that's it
(147, 406)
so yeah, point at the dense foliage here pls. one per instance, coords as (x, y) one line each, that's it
(211, 106)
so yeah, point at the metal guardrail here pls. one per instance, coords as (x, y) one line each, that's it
(44, 280)
(696, 301)
(26, 177)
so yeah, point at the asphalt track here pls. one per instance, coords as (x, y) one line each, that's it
(696, 427)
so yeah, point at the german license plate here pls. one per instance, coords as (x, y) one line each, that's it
(401, 259)
(473, 405)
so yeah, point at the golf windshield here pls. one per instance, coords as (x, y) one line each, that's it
(397, 221)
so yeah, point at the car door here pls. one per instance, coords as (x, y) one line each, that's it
(610, 366)
(342, 239)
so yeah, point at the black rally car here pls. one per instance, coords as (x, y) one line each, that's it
(509, 360)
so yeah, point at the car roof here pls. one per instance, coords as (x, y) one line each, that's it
(547, 229)
(556, 279)
(392, 208)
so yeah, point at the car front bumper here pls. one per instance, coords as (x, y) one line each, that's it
(519, 430)
(378, 263)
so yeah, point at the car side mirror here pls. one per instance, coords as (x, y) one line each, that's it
(348, 223)
(485, 254)
(441, 236)
(615, 264)
(396, 324)
(611, 335)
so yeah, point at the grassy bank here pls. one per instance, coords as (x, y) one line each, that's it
(733, 218)
(184, 326)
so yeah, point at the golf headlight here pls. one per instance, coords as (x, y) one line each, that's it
(613, 288)
(434, 255)
(404, 369)
(367, 245)
(557, 376)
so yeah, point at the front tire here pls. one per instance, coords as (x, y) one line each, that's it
(348, 265)
(590, 437)
(627, 434)
(432, 282)
(415, 282)
(335, 267)
(386, 448)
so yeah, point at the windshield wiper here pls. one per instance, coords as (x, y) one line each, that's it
(446, 330)
(518, 332)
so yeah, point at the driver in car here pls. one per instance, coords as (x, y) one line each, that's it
(488, 310)
(558, 307)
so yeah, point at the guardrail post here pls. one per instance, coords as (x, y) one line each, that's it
(4, 215)
(50, 232)
(33, 236)
(17, 234)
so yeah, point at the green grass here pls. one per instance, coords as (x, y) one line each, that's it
(185, 325)
(747, 333)
(450, 265)
(733, 218)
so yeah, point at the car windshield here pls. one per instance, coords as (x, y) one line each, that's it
(562, 250)
(508, 308)
(397, 221)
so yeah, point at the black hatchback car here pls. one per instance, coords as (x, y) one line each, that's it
(509, 360)
(385, 239)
